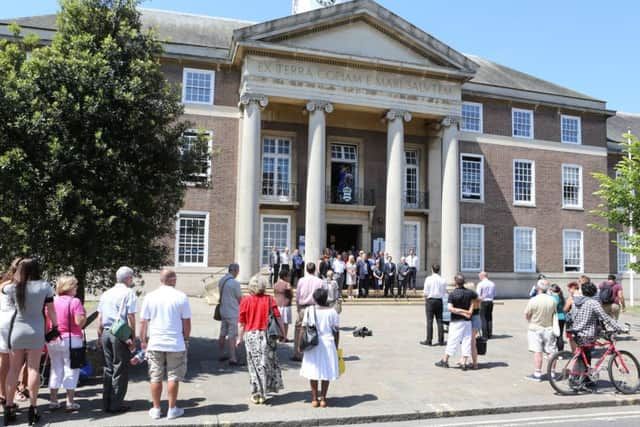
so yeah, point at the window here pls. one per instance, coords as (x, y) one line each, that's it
(344, 153)
(197, 86)
(472, 247)
(572, 250)
(276, 166)
(522, 123)
(275, 232)
(524, 182)
(192, 238)
(411, 179)
(472, 117)
(524, 250)
(572, 186)
(189, 139)
(570, 129)
(624, 258)
(410, 238)
(344, 174)
(472, 173)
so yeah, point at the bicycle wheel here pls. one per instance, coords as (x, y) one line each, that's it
(563, 375)
(624, 372)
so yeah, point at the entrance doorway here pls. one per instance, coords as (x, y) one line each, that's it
(344, 238)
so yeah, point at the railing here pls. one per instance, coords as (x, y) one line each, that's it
(349, 196)
(279, 191)
(415, 200)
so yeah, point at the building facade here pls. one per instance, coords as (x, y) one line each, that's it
(347, 126)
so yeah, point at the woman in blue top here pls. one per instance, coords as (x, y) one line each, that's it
(556, 294)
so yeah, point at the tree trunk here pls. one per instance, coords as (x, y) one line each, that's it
(81, 275)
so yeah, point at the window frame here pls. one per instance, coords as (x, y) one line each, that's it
(461, 194)
(275, 156)
(532, 202)
(513, 128)
(482, 246)
(534, 250)
(580, 205)
(481, 124)
(625, 268)
(209, 172)
(579, 136)
(186, 70)
(416, 167)
(205, 262)
(564, 250)
(274, 216)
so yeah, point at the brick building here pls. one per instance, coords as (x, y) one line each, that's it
(348, 126)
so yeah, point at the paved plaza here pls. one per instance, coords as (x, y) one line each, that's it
(389, 377)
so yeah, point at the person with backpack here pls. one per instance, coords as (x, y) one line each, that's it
(611, 297)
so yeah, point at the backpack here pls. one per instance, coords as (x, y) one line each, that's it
(606, 294)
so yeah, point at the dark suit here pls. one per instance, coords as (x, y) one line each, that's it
(403, 277)
(364, 277)
(389, 278)
(274, 260)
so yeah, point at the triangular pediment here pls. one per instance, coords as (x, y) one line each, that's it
(361, 31)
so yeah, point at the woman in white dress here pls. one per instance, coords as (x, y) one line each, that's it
(320, 363)
(352, 270)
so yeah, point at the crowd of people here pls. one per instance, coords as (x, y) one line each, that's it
(361, 271)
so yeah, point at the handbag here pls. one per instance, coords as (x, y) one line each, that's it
(556, 325)
(77, 356)
(216, 312)
(341, 365)
(273, 329)
(310, 334)
(481, 345)
(120, 328)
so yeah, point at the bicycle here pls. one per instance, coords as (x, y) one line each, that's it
(569, 373)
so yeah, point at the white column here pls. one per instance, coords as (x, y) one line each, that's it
(450, 258)
(435, 200)
(394, 215)
(248, 208)
(315, 226)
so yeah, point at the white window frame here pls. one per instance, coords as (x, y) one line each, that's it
(205, 262)
(622, 268)
(418, 238)
(534, 262)
(462, 228)
(184, 84)
(513, 127)
(481, 124)
(477, 156)
(531, 202)
(580, 193)
(564, 251)
(275, 156)
(207, 175)
(578, 119)
(416, 167)
(269, 216)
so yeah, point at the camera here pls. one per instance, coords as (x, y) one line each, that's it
(362, 332)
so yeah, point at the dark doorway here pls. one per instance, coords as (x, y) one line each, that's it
(343, 238)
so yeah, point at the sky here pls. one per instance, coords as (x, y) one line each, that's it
(589, 46)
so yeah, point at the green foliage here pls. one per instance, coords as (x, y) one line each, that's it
(91, 169)
(619, 204)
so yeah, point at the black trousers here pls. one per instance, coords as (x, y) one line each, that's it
(433, 307)
(388, 285)
(275, 271)
(412, 277)
(295, 275)
(402, 288)
(363, 287)
(486, 316)
(116, 371)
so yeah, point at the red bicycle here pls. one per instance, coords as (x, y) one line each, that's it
(569, 373)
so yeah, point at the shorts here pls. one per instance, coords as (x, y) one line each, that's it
(285, 314)
(173, 363)
(542, 341)
(228, 328)
(476, 323)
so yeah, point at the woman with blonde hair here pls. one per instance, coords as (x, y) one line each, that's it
(30, 294)
(71, 318)
(352, 271)
(262, 361)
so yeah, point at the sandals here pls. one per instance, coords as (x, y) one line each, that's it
(72, 407)
(257, 399)
(22, 394)
(323, 402)
(54, 406)
(314, 404)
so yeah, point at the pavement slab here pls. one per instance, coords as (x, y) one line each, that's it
(389, 377)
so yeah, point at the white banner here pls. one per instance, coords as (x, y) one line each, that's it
(300, 6)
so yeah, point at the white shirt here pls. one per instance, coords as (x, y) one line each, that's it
(338, 266)
(111, 301)
(435, 286)
(284, 258)
(412, 261)
(486, 290)
(165, 308)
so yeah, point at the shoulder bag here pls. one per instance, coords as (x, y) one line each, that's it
(120, 328)
(77, 356)
(310, 334)
(273, 329)
(216, 312)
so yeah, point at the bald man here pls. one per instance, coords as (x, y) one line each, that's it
(486, 293)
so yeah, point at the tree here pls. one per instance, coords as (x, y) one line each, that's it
(620, 205)
(91, 167)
